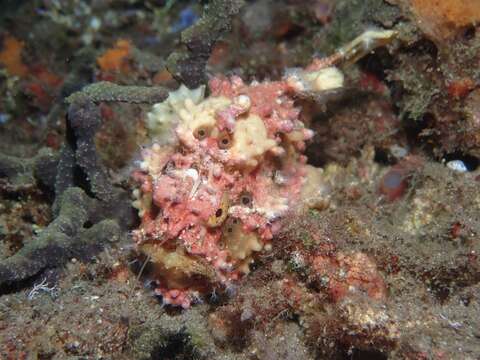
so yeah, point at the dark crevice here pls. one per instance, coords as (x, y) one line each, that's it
(377, 63)
(88, 224)
(418, 131)
(294, 32)
(469, 33)
(175, 347)
(383, 157)
(358, 354)
(424, 47)
(17, 286)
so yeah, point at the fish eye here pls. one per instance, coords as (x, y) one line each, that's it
(246, 199)
(224, 140)
(230, 225)
(201, 132)
(221, 244)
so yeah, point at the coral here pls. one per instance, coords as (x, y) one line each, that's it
(116, 58)
(188, 65)
(11, 56)
(23, 172)
(83, 121)
(105, 91)
(61, 240)
(82, 223)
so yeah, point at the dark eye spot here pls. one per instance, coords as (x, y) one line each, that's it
(221, 244)
(170, 165)
(224, 140)
(201, 133)
(246, 199)
(219, 213)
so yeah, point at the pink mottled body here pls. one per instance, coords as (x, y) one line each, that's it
(200, 185)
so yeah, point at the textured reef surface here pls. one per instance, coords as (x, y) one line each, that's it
(233, 179)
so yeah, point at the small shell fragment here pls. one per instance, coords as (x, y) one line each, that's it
(457, 165)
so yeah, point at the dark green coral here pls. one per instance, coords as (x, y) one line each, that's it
(187, 65)
(63, 239)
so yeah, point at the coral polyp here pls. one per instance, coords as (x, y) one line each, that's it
(221, 174)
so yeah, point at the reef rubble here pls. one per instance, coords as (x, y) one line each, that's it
(318, 200)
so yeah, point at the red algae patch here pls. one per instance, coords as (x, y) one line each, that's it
(116, 58)
(348, 274)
